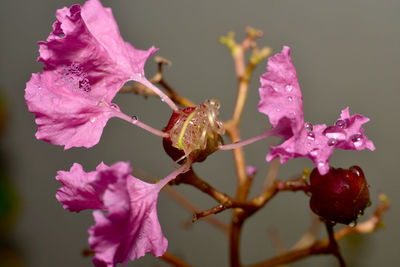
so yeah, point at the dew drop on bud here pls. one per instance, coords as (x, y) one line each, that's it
(331, 142)
(311, 136)
(308, 126)
(353, 224)
(162, 100)
(341, 124)
(289, 88)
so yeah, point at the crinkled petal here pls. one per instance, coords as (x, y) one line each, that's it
(128, 230)
(280, 95)
(129, 226)
(281, 100)
(77, 192)
(318, 144)
(312, 144)
(66, 114)
(355, 137)
(89, 37)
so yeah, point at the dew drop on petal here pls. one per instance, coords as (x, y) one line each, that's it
(308, 126)
(341, 124)
(289, 88)
(332, 142)
(290, 98)
(311, 136)
(335, 132)
(114, 106)
(92, 120)
(162, 100)
(356, 139)
(134, 118)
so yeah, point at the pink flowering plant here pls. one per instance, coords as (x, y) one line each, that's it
(86, 63)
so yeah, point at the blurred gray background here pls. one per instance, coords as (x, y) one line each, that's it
(346, 54)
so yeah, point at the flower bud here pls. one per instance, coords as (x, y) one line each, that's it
(340, 196)
(194, 132)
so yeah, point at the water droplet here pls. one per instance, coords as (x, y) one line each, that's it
(39, 88)
(308, 126)
(332, 142)
(289, 88)
(134, 118)
(341, 124)
(355, 138)
(290, 98)
(335, 132)
(321, 164)
(276, 89)
(353, 224)
(162, 100)
(314, 152)
(311, 136)
(140, 75)
(92, 120)
(114, 106)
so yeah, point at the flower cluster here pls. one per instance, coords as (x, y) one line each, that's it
(86, 62)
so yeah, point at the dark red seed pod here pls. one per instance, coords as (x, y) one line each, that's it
(339, 196)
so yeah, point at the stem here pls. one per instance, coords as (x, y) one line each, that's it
(174, 260)
(182, 169)
(246, 142)
(333, 244)
(135, 121)
(322, 246)
(189, 206)
(161, 94)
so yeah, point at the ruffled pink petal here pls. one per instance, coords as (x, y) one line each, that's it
(89, 36)
(128, 232)
(284, 108)
(355, 137)
(280, 95)
(86, 54)
(129, 226)
(65, 113)
(77, 193)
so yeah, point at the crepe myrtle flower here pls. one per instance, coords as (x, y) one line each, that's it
(86, 62)
(281, 100)
(126, 223)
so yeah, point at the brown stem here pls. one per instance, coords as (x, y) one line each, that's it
(322, 246)
(189, 206)
(333, 245)
(174, 260)
(158, 78)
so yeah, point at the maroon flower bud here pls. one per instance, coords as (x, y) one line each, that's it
(194, 132)
(340, 196)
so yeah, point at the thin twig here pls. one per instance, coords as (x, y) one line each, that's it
(158, 78)
(322, 246)
(189, 206)
(174, 260)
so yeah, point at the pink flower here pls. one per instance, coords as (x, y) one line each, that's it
(86, 62)
(129, 227)
(281, 100)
